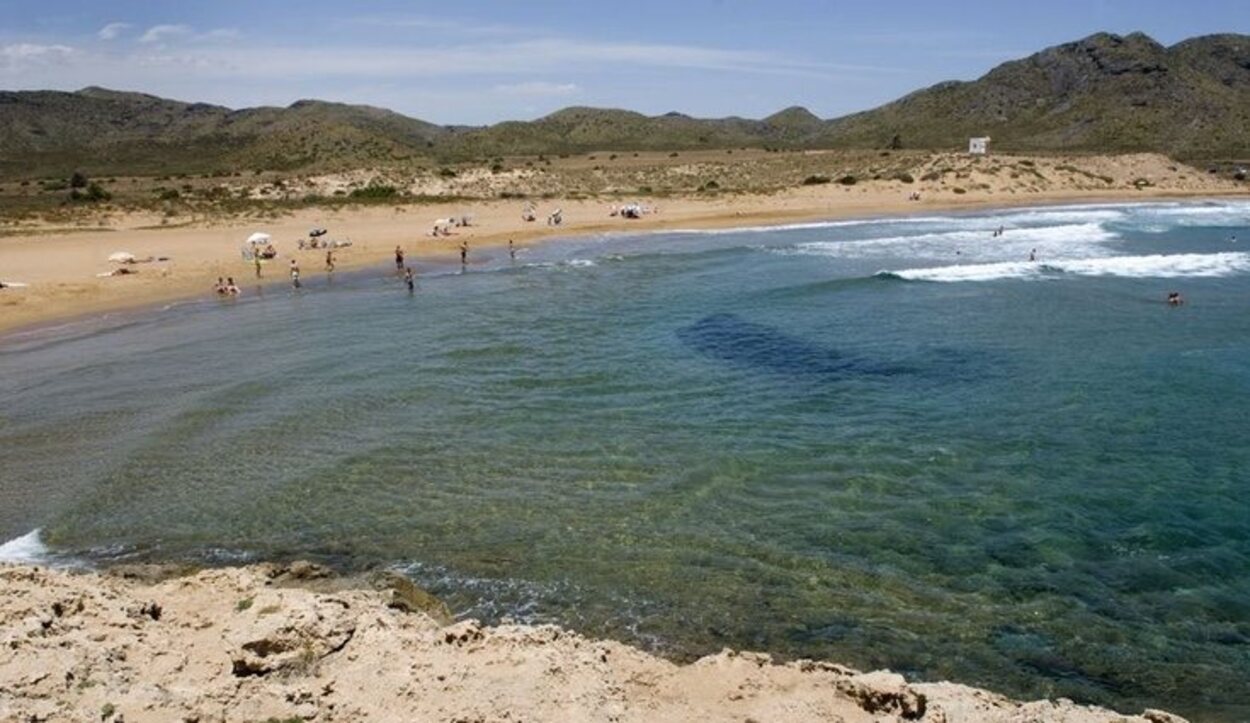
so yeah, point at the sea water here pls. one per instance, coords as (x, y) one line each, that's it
(896, 443)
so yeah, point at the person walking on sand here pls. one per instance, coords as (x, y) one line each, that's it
(330, 261)
(294, 273)
(409, 280)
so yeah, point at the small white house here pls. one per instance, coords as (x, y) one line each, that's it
(979, 146)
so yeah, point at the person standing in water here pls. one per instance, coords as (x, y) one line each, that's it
(256, 260)
(511, 250)
(294, 273)
(464, 253)
(409, 280)
(399, 258)
(1033, 255)
(330, 261)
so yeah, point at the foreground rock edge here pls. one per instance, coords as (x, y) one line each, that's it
(295, 642)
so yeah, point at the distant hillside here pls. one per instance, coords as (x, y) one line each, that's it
(106, 131)
(1103, 93)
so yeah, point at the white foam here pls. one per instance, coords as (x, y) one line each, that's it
(25, 549)
(1084, 239)
(1154, 266)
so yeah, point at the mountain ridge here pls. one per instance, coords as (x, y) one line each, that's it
(1105, 92)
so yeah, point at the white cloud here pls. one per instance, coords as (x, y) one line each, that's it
(538, 88)
(494, 58)
(27, 53)
(113, 30)
(160, 33)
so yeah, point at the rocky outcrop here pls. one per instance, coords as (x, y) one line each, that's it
(248, 644)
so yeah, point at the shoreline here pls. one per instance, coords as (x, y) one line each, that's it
(297, 641)
(68, 301)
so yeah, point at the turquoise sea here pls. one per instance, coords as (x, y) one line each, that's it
(884, 442)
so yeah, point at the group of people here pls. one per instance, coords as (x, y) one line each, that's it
(228, 287)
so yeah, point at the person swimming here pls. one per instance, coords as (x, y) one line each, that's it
(1175, 298)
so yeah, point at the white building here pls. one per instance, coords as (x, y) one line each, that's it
(979, 146)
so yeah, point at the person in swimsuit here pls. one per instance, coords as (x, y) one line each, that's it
(409, 280)
(399, 258)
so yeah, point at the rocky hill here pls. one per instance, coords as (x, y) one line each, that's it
(1104, 93)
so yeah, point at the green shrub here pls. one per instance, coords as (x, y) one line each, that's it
(959, 190)
(931, 176)
(77, 180)
(374, 192)
(169, 194)
(816, 180)
(446, 173)
(904, 177)
(243, 604)
(95, 192)
(848, 180)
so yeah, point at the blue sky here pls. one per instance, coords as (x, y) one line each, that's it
(475, 61)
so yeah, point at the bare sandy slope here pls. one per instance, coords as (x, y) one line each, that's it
(59, 264)
(289, 643)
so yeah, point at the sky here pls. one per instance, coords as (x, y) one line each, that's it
(480, 61)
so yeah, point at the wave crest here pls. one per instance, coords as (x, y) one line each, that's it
(1163, 266)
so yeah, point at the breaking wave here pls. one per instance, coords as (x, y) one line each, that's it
(1155, 266)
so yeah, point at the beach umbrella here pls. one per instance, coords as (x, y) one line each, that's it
(259, 238)
(122, 257)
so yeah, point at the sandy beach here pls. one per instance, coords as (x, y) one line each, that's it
(59, 263)
(294, 642)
